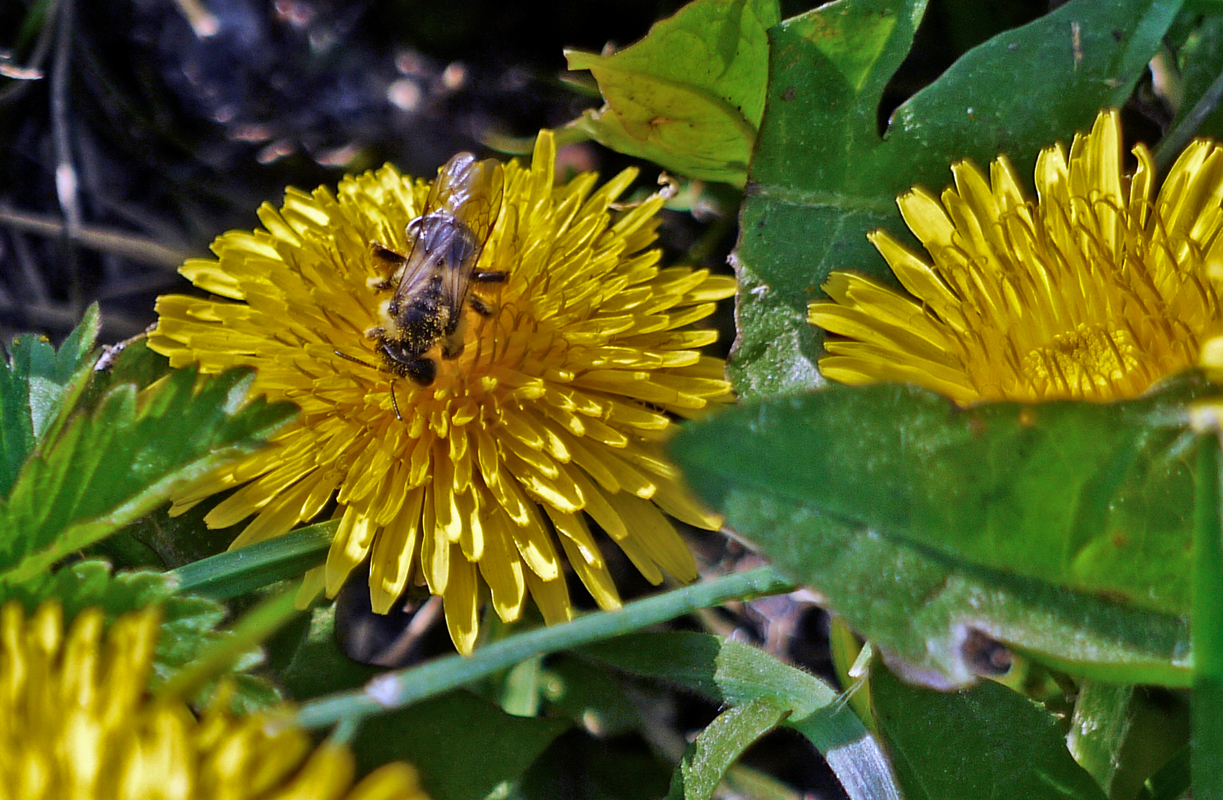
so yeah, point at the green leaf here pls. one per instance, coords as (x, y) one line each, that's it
(600, 768)
(1172, 782)
(919, 521)
(689, 96)
(822, 177)
(1098, 729)
(236, 646)
(117, 463)
(719, 746)
(520, 690)
(1095, 497)
(591, 696)
(1201, 60)
(723, 671)
(734, 673)
(91, 583)
(37, 387)
(463, 746)
(1129, 737)
(986, 742)
(308, 660)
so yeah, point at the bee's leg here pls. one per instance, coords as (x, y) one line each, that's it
(480, 306)
(452, 346)
(390, 258)
(384, 253)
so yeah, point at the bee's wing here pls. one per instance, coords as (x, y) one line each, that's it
(471, 196)
(450, 233)
(469, 191)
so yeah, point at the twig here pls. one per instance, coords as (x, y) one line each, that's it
(106, 240)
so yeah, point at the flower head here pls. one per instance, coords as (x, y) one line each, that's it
(552, 409)
(77, 721)
(1095, 292)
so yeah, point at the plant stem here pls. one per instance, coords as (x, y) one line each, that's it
(399, 689)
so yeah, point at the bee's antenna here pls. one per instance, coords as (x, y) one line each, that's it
(354, 359)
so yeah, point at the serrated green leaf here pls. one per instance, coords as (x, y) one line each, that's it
(90, 583)
(127, 362)
(112, 465)
(38, 385)
(985, 742)
(689, 96)
(822, 177)
(911, 517)
(236, 649)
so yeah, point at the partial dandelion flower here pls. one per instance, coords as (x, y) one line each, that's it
(77, 721)
(1095, 292)
(553, 413)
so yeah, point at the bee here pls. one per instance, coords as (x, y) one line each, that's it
(433, 279)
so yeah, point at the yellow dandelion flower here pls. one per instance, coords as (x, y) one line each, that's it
(550, 408)
(1095, 292)
(76, 721)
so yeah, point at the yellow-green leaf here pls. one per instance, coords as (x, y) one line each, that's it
(690, 95)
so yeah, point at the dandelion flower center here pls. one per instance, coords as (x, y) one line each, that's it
(1094, 292)
(1088, 355)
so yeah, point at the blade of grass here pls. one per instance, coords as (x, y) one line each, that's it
(1206, 628)
(237, 572)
